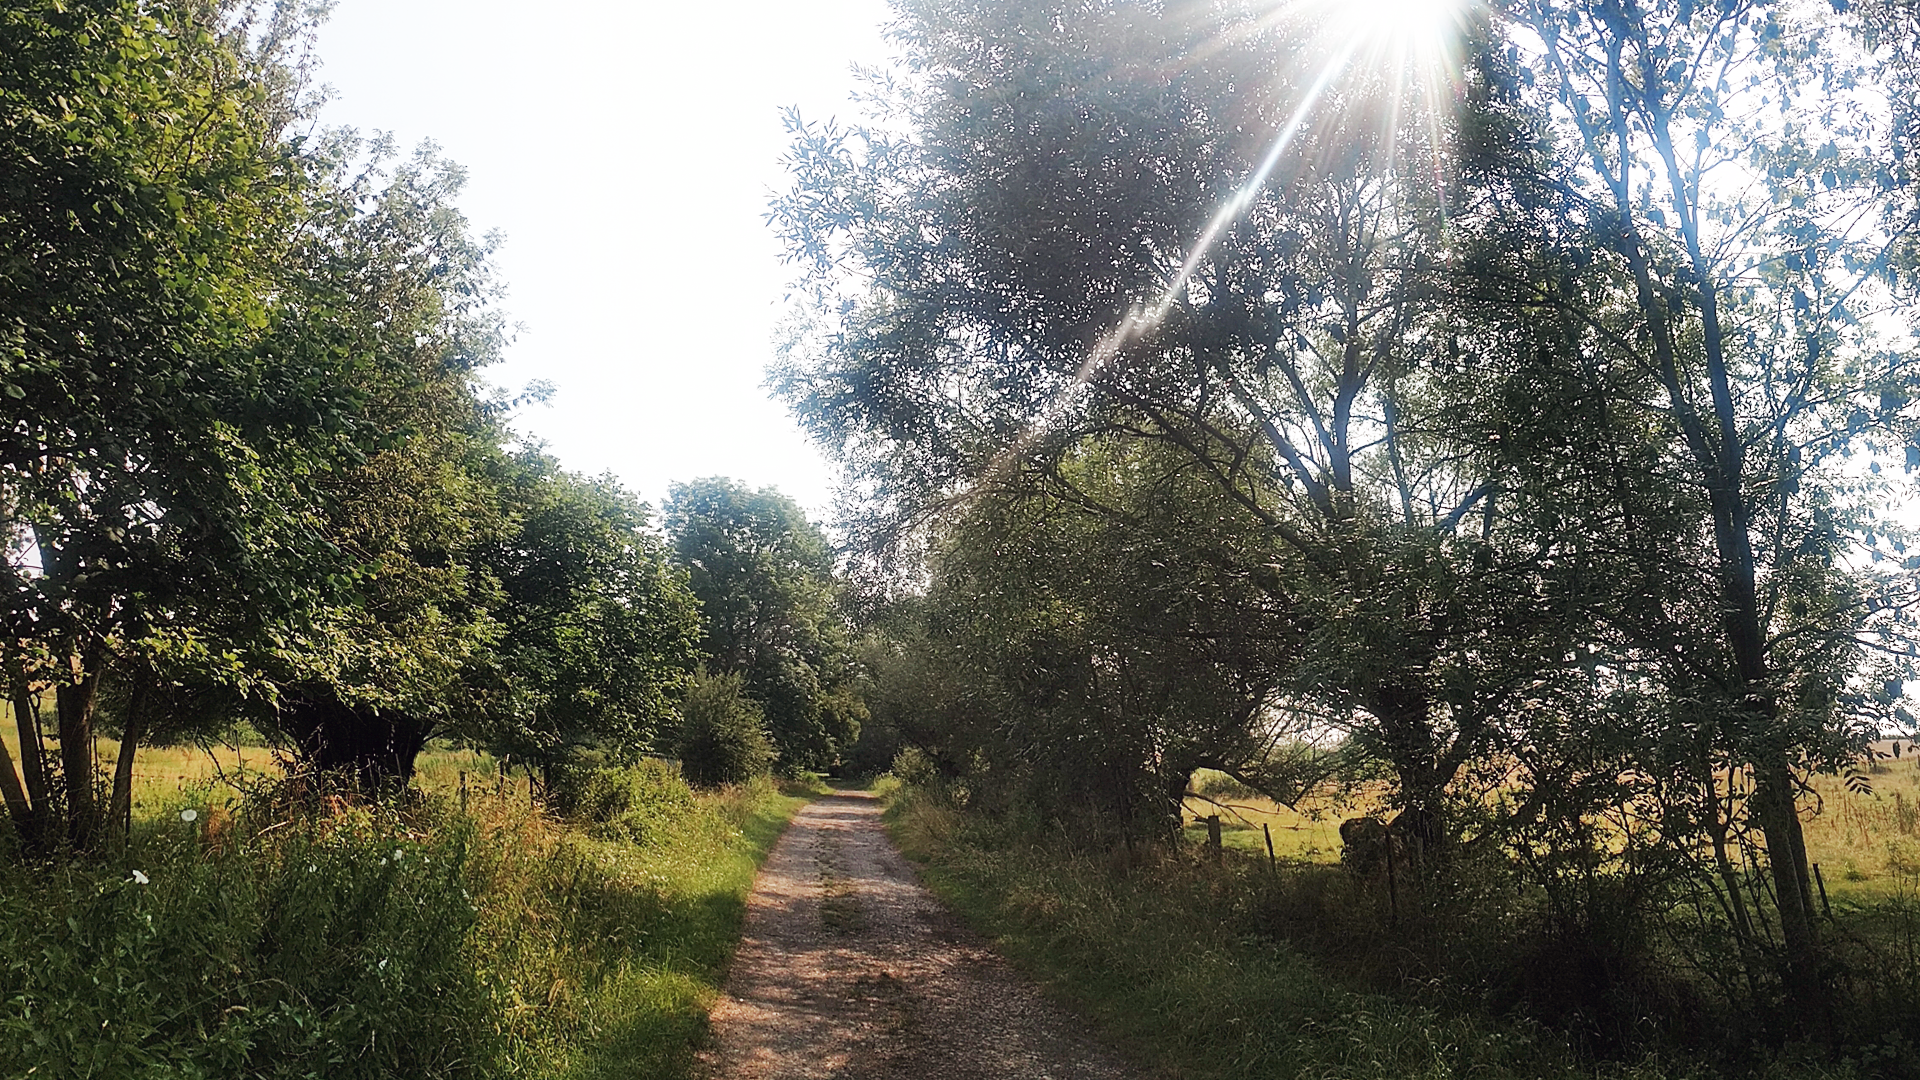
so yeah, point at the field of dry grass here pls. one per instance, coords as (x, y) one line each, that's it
(217, 772)
(1866, 843)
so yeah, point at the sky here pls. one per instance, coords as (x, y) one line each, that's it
(627, 152)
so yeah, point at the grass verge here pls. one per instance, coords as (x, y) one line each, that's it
(289, 938)
(1159, 952)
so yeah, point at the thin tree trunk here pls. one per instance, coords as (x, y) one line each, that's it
(1792, 886)
(1717, 832)
(33, 754)
(120, 805)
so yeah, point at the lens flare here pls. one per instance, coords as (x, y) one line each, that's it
(1397, 44)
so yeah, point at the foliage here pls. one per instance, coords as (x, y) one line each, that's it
(164, 401)
(383, 943)
(723, 735)
(598, 626)
(1289, 403)
(1717, 243)
(251, 472)
(764, 577)
(637, 803)
(1537, 440)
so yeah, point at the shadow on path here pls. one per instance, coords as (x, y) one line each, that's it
(848, 968)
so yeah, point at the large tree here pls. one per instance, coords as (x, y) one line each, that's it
(161, 402)
(1023, 252)
(599, 626)
(1725, 227)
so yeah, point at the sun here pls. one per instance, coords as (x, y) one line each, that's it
(1411, 19)
(1416, 34)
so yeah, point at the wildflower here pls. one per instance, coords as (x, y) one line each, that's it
(397, 853)
(313, 868)
(189, 814)
(140, 878)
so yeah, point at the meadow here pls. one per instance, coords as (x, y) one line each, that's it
(1866, 840)
(251, 927)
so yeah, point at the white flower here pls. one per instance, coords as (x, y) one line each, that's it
(140, 878)
(397, 853)
(189, 814)
(383, 964)
(313, 868)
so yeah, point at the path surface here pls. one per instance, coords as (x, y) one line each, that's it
(848, 968)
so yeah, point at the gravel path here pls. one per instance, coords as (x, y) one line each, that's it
(849, 968)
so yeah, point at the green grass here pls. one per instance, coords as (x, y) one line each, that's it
(646, 1015)
(276, 938)
(1163, 952)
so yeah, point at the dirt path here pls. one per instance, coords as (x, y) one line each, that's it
(849, 968)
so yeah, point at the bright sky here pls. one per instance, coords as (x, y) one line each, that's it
(627, 151)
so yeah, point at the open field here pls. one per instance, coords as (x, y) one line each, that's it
(1866, 843)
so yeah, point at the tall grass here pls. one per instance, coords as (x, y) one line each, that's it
(1198, 966)
(300, 937)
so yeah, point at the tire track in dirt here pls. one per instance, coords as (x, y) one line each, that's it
(849, 968)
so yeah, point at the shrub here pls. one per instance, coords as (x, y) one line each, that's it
(723, 735)
(634, 803)
(336, 949)
(915, 768)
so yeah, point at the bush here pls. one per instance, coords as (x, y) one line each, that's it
(294, 938)
(914, 768)
(633, 803)
(723, 734)
(335, 949)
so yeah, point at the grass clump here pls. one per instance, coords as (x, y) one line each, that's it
(306, 937)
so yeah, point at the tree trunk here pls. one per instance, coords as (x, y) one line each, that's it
(1407, 733)
(33, 755)
(75, 703)
(120, 805)
(375, 747)
(1792, 886)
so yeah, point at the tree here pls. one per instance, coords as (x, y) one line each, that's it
(1019, 258)
(764, 577)
(1728, 177)
(160, 408)
(599, 627)
(723, 736)
(1129, 630)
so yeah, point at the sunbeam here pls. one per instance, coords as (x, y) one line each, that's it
(1396, 41)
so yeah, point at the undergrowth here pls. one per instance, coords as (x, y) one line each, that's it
(323, 938)
(1178, 957)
